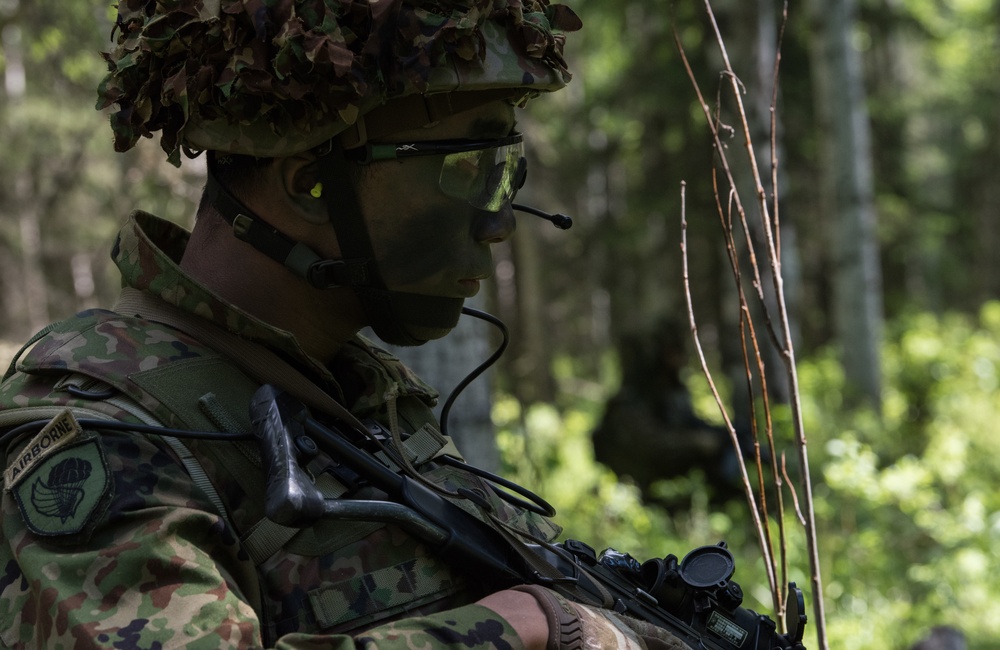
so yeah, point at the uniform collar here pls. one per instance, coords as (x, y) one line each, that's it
(148, 252)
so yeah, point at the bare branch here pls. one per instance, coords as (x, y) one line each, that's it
(791, 489)
(748, 489)
(782, 340)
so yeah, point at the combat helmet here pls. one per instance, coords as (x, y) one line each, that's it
(272, 78)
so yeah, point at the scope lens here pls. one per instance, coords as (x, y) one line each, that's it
(707, 566)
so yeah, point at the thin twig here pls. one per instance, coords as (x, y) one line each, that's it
(746, 323)
(788, 355)
(774, 131)
(783, 340)
(791, 489)
(748, 489)
(762, 536)
(781, 478)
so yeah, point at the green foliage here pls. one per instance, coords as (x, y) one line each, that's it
(911, 502)
(907, 503)
(549, 450)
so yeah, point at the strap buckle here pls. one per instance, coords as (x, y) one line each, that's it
(241, 226)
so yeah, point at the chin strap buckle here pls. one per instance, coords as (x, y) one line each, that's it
(327, 274)
(241, 226)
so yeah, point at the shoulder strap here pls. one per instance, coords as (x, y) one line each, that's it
(34, 339)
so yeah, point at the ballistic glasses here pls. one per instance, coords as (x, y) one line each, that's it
(485, 173)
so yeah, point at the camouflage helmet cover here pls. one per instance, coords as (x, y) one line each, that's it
(276, 77)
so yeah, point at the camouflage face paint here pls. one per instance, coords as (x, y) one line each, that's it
(425, 241)
(432, 251)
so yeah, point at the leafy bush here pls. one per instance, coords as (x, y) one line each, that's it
(910, 500)
(907, 501)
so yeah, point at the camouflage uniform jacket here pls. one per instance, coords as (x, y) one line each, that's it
(111, 540)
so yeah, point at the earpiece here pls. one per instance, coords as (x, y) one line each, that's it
(316, 191)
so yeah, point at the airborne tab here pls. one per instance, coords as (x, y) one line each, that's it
(62, 430)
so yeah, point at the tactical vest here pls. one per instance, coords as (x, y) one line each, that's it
(155, 374)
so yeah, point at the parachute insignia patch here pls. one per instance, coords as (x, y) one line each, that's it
(61, 495)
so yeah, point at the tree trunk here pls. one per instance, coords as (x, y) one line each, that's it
(848, 190)
(532, 377)
(33, 285)
(988, 230)
(35, 288)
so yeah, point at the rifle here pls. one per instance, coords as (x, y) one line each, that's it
(694, 598)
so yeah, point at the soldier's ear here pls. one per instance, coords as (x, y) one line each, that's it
(300, 181)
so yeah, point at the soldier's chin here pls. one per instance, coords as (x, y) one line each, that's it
(421, 335)
(414, 319)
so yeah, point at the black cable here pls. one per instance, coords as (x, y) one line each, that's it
(558, 220)
(534, 502)
(481, 368)
(115, 425)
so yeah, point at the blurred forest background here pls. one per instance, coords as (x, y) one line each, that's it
(888, 134)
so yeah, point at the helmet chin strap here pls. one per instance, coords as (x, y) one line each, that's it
(397, 317)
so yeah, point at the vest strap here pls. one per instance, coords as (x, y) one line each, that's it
(265, 538)
(256, 360)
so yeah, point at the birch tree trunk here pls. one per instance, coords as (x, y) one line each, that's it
(847, 189)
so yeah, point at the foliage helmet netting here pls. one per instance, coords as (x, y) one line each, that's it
(276, 77)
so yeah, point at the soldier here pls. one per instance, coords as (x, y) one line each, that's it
(362, 159)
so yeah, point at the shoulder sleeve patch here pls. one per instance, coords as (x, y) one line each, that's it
(63, 493)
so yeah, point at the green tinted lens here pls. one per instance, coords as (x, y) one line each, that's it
(486, 178)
